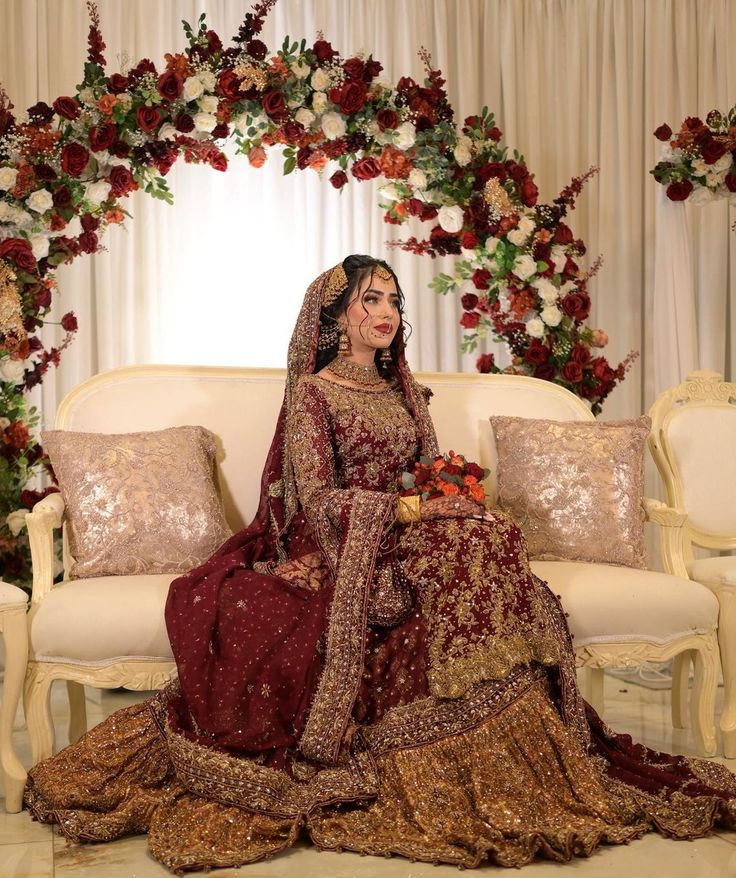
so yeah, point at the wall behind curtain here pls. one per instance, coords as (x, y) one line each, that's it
(219, 277)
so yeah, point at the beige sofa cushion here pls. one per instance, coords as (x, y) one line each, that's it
(102, 619)
(716, 571)
(618, 604)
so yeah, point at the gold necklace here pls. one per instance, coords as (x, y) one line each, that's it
(366, 375)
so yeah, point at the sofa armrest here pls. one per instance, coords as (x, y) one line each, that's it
(671, 521)
(47, 516)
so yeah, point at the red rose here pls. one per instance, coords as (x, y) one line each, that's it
(184, 123)
(576, 305)
(214, 43)
(170, 85)
(274, 105)
(19, 252)
(67, 108)
(580, 354)
(354, 68)
(90, 223)
(572, 372)
(293, 131)
(117, 83)
(484, 364)
(220, 131)
(256, 49)
(372, 69)
(679, 190)
(421, 209)
(366, 169)
(468, 241)
(730, 182)
(469, 301)
(480, 278)
(62, 197)
(536, 353)
(102, 136)
(74, 158)
(120, 149)
(472, 469)
(352, 97)
(563, 234)
(470, 319)
(693, 123)
(45, 172)
(422, 476)
(494, 134)
(713, 150)
(228, 85)
(387, 119)
(323, 50)
(88, 242)
(664, 132)
(339, 179)
(218, 161)
(516, 171)
(490, 169)
(121, 181)
(145, 65)
(69, 322)
(148, 118)
(529, 192)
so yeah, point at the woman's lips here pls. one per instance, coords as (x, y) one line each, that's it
(383, 327)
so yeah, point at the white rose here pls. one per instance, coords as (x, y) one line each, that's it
(207, 104)
(87, 96)
(518, 237)
(723, 164)
(167, 131)
(525, 266)
(40, 246)
(551, 315)
(548, 292)
(8, 177)
(305, 117)
(16, 521)
(319, 102)
(462, 155)
(204, 122)
(207, 78)
(193, 89)
(40, 200)
(450, 217)
(300, 69)
(124, 101)
(701, 195)
(406, 134)
(102, 158)
(527, 225)
(97, 192)
(535, 328)
(559, 258)
(320, 80)
(333, 125)
(417, 178)
(295, 102)
(389, 192)
(491, 244)
(11, 370)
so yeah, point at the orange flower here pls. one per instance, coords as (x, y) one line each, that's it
(449, 489)
(470, 480)
(179, 64)
(318, 161)
(477, 493)
(278, 66)
(394, 163)
(106, 103)
(57, 222)
(401, 209)
(114, 216)
(521, 302)
(267, 140)
(257, 156)
(544, 235)
(456, 460)
(438, 465)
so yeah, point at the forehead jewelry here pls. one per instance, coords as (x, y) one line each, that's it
(336, 283)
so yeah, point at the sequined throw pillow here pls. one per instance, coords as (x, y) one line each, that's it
(575, 488)
(138, 502)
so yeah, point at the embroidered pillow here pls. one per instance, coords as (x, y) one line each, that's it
(575, 488)
(138, 502)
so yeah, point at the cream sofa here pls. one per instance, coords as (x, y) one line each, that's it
(109, 632)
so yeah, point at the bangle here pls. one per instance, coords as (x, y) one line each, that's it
(407, 509)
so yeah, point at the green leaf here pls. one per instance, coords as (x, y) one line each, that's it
(408, 480)
(289, 165)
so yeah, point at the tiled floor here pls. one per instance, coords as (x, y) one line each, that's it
(29, 850)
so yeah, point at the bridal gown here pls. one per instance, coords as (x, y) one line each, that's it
(375, 687)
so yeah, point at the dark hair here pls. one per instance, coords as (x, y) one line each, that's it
(357, 268)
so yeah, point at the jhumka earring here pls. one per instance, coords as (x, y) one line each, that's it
(344, 348)
(327, 336)
(385, 357)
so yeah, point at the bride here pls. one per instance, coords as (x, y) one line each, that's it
(379, 687)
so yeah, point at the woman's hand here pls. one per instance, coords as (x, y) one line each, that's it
(452, 507)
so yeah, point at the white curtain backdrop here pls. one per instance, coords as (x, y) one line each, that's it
(218, 278)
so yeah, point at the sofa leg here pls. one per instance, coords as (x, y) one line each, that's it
(703, 698)
(680, 688)
(36, 694)
(77, 710)
(15, 637)
(726, 634)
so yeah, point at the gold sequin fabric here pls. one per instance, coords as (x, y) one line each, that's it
(575, 488)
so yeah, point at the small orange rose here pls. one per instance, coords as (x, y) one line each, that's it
(114, 216)
(401, 208)
(477, 493)
(318, 161)
(257, 156)
(456, 460)
(106, 104)
(470, 480)
(449, 489)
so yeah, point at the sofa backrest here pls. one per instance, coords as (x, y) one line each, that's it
(241, 406)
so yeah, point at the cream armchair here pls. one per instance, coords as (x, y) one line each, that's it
(109, 631)
(692, 441)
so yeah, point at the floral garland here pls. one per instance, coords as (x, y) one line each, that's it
(66, 168)
(698, 164)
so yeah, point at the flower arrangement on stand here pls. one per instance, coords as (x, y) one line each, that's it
(67, 167)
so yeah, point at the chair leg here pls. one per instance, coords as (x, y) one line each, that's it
(726, 634)
(38, 712)
(15, 636)
(703, 699)
(680, 688)
(77, 710)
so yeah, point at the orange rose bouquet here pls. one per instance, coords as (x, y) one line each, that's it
(447, 475)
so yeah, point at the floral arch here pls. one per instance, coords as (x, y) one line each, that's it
(66, 169)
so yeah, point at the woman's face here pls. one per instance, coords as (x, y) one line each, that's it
(372, 317)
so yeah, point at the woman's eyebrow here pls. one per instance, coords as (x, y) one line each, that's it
(380, 292)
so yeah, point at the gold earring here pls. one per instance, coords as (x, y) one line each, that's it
(385, 357)
(344, 348)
